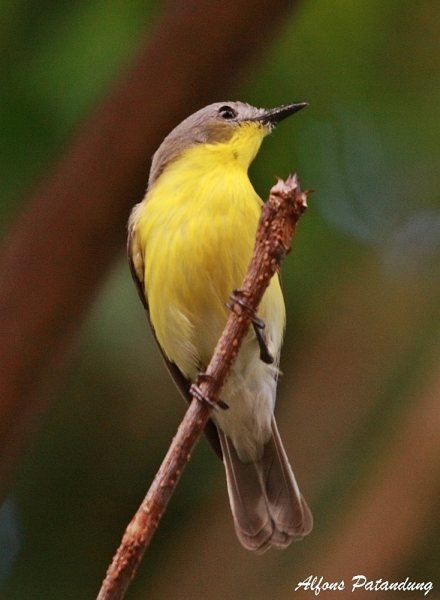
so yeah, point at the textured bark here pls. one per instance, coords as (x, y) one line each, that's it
(275, 231)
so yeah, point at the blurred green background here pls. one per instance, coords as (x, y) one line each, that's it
(358, 403)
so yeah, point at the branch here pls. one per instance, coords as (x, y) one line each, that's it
(275, 231)
(59, 252)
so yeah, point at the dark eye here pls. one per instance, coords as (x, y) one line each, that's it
(226, 112)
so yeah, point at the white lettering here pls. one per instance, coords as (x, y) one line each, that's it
(306, 583)
(316, 584)
(358, 581)
(427, 587)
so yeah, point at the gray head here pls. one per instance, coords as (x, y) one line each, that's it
(214, 124)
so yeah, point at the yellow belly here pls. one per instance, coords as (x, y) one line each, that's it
(196, 237)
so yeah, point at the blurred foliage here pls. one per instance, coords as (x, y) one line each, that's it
(364, 275)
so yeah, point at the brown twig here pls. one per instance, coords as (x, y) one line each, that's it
(275, 231)
(59, 252)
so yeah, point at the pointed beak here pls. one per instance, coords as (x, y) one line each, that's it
(275, 115)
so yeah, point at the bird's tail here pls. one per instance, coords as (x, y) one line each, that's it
(267, 506)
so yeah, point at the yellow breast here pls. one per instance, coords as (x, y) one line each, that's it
(196, 232)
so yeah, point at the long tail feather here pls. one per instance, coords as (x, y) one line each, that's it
(267, 506)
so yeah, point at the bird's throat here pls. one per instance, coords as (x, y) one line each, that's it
(234, 155)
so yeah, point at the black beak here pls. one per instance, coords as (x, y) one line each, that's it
(275, 115)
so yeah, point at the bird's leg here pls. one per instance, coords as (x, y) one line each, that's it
(196, 392)
(258, 324)
(265, 355)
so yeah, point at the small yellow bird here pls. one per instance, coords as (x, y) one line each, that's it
(189, 245)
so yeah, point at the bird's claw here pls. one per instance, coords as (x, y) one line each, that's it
(258, 324)
(195, 391)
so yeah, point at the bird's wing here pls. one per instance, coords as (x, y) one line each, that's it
(136, 262)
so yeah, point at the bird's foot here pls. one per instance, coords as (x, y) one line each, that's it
(265, 354)
(195, 391)
(237, 297)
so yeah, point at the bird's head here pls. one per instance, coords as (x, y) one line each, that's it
(230, 128)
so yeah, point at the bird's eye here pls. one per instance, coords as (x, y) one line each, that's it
(226, 112)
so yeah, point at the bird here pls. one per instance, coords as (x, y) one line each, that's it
(190, 241)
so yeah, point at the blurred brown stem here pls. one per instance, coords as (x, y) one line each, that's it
(58, 253)
(275, 231)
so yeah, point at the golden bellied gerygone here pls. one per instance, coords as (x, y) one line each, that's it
(190, 243)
